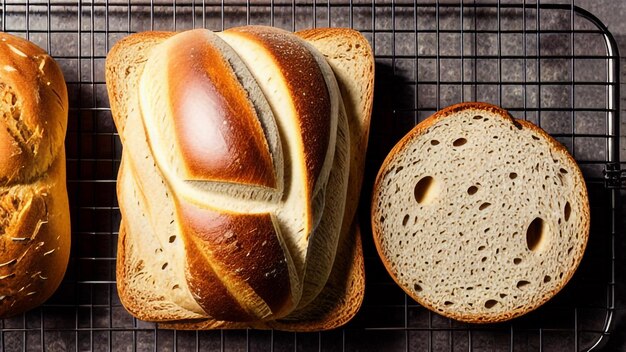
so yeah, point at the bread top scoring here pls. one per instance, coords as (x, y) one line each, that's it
(221, 149)
(309, 94)
(34, 213)
(34, 110)
(199, 114)
(479, 216)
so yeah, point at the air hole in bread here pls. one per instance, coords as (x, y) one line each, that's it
(502, 295)
(477, 117)
(547, 279)
(434, 142)
(164, 266)
(175, 287)
(490, 303)
(448, 303)
(426, 190)
(567, 211)
(536, 234)
(536, 138)
(513, 175)
(459, 142)
(172, 238)
(417, 288)
(481, 248)
(522, 284)
(563, 171)
(517, 261)
(472, 190)
(405, 220)
(517, 125)
(484, 206)
(483, 259)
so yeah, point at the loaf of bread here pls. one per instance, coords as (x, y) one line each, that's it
(34, 211)
(240, 175)
(478, 216)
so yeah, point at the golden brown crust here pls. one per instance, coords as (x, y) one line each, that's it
(310, 95)
(34, 211)
(215, 124)
(353, 58)
(352, 279)
(34, 241)
(420, 129)
(34, 110)
(231, 257)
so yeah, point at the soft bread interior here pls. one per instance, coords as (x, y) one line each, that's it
(156, 265)
(140, 280)
(152, 263)
(479, 216)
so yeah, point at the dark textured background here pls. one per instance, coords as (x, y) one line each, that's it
(613, 14)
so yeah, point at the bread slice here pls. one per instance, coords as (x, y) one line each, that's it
(478, 216)
(136, 276)
(344, 289)
(351, 58)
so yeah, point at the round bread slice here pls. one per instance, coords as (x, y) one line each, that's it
(478, 216)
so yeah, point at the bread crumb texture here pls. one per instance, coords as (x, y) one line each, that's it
(478, 216)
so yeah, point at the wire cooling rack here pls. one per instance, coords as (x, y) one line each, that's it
(551, 63)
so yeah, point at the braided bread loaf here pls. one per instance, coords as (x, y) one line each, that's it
(234, 177)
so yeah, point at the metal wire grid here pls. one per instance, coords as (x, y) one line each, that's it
(553, 64)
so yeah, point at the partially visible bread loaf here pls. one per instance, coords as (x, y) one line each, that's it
(34, 211)
(303, 128)
(479, 216)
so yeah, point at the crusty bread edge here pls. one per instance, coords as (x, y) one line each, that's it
(113, 84)
(420, 129)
